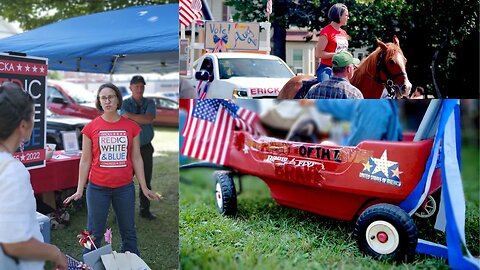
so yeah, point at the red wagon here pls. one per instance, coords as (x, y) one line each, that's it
(366, 182)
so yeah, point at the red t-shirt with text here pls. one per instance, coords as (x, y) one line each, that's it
(111, 151)
(337, 41)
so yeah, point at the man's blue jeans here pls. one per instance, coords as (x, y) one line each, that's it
(123, 201)
(324, 72)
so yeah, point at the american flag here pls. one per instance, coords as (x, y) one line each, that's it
(210, 127)
(189, 10)
(269, 7)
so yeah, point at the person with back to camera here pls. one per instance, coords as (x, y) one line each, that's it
(338, 86)
(369, 119)
(332, 40)
(20, 235)
(142, 111)
(110, 157)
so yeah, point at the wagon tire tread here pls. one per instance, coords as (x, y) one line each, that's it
(397, 217)
(229, 194)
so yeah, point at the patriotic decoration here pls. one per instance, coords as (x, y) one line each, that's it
(220, 43)
(249, 121)
(202, 87)
(269, 7)
(74, 264)
(86, 239)
(189, 11)
(451, 216)
(108, 236)
(210, 127)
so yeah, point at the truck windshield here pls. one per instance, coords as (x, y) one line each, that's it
(250, 67)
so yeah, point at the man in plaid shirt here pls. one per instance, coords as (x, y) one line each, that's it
(338, 86)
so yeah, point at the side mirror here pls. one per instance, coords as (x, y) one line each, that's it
(59, 100)
(204, 75)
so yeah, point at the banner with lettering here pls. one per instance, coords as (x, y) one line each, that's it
(31, 74)
(223, 36)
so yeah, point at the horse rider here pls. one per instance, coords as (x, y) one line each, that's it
(338, 86)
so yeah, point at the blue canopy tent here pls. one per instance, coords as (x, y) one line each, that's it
(137, 39)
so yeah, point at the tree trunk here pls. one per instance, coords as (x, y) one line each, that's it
(279, 40)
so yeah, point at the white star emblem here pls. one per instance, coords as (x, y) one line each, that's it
(34, 68)
(42, 69)
(27, 68)
(245, 149)
(22, 157)
(19, 67)
(382, 164)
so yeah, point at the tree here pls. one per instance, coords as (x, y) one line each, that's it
(35, 13)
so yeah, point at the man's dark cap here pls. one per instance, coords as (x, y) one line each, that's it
(137, 78)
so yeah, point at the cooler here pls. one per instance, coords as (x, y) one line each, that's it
(44, 223)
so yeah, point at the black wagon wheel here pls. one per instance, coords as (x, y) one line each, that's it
(386, 231)
(429, 208)
(225, 193)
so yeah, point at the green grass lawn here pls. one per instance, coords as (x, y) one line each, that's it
(157, 239)
(265, 235)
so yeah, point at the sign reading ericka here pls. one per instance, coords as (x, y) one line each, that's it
(31, 74)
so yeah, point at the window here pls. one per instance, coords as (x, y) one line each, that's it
(52, 93)
(252, 67)
(297, 55)
(207, 65)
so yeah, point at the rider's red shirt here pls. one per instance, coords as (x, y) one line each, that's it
(337, 41)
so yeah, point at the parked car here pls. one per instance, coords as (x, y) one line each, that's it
(125, 91)
(167, 110)
(56, 124)
(241, 75)
(170, 95)
(66, 98)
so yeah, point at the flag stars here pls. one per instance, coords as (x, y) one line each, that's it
(367, 166)
(396, 172)
(382, 164)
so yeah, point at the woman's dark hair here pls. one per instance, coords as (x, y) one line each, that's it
(336, 11)
(15, 105)
(117, 93)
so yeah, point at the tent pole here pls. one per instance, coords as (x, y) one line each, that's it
(114, 63)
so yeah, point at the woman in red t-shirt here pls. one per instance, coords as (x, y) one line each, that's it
(110, 157)
(332, 39)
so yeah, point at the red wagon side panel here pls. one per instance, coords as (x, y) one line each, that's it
(334, 181)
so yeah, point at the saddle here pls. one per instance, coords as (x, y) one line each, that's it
(306, 85)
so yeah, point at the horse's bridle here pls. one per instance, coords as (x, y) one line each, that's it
(388, 83)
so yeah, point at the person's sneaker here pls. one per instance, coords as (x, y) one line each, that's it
(148, 215)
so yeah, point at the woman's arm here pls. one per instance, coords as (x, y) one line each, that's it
(137, 162)
(320, 52)
(34, 249)
(85, 162)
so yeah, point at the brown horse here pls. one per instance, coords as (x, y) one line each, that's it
(385, 68)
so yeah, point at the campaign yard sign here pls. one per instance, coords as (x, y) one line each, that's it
(223, 36)
(31, 74)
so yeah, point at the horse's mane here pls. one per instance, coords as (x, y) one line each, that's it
(368, 66)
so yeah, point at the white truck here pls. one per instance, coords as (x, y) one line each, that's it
(241, 75)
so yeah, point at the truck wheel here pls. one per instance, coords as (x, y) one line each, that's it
(428, 209)
(386, 231)
(225, 193)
